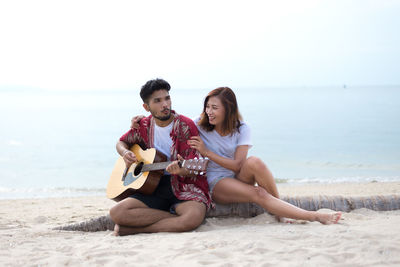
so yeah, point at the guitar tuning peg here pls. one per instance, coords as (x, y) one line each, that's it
(206, 158)
(201, 173)
(199, 167)
(195, 172)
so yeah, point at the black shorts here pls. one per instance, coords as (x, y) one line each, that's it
(162, 199)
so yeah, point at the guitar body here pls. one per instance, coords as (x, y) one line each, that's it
(121, 186)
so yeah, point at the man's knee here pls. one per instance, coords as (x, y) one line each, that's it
(116, 213)
(190, 223)
(192, 218)
(119, 211)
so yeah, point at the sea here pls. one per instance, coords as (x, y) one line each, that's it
(57, 143)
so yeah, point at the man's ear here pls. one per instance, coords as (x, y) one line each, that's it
(146, 107)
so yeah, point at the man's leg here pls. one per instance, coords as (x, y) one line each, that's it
(133, 212)
(190, 214)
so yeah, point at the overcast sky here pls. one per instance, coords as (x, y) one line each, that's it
(194, 44)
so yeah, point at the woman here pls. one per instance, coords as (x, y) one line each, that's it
(231, 176)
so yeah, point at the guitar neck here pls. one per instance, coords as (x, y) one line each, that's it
(192, 165)
(156, 166)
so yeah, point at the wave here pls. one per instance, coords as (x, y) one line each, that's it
(340, 179)
(18, 193)
(14, 143)
(59, 192)
(366, 166)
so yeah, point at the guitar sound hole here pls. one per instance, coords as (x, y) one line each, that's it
(138, 169)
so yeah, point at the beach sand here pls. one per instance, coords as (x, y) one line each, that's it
(362, 237)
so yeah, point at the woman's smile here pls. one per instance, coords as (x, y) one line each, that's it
(215, 111)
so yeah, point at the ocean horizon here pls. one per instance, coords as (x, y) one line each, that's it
(62, 143)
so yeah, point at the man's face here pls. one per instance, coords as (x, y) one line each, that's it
(159, 105)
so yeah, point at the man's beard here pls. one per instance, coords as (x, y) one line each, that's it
(164, 118)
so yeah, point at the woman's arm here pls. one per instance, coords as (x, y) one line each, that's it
(135, 121)
(234, 164)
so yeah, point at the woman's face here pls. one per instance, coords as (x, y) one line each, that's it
(215, 111)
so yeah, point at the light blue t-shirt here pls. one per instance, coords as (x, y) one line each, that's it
(224, 146)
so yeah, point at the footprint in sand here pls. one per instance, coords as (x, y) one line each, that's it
(40, 219)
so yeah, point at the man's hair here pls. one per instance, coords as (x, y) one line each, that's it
(232, 116)
(151, 86)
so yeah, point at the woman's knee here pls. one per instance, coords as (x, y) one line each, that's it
(260, 194)
(255, 163)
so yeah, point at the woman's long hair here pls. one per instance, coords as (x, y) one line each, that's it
(232, 116)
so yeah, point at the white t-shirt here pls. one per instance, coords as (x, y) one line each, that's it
(224, 146)
(162, 139)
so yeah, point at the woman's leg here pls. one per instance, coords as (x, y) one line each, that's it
(230, 190)
(253, 171)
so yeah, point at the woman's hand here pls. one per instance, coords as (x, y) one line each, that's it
(135, 121)
(197, 143)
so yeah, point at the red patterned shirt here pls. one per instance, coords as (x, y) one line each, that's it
(185, 188)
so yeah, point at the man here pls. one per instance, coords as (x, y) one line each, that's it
(180, 201)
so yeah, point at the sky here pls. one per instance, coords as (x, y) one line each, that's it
(74, 45)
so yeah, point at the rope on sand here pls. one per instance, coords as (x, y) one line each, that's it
(337, 203)
(102, 223)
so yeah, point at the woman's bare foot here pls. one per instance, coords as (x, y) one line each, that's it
(326, 218)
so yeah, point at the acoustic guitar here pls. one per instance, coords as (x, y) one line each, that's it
(144, 175)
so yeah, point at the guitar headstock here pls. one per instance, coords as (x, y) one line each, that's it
(196, 165)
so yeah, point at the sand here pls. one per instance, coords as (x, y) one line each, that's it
(362, 237)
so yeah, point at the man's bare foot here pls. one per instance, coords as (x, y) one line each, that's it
(116, 230)
(120, 230)
(331, 218)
